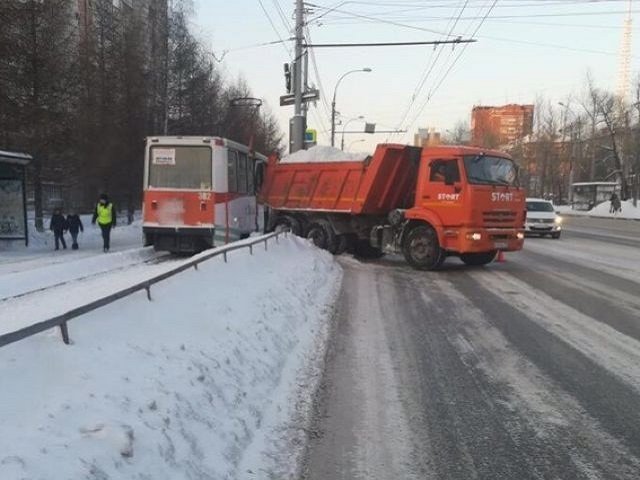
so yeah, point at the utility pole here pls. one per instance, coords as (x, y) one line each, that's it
(297, 125)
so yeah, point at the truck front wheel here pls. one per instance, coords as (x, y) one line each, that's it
(478, 258)
(421, 248)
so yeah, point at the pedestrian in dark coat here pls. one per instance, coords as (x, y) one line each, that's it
(75, 226)
(614, 203)
(58, 226)
(105, 215)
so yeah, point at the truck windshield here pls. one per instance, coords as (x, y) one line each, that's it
(180, 167)
(484, 169)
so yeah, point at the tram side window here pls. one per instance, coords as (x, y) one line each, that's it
(242, 173)
(232, 171)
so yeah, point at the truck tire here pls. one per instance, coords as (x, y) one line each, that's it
(363, 249)
(322, 234)
(330, 235)
(287, 221)
(421, 248)
(555, 235)
(343, 244)
(478, 258)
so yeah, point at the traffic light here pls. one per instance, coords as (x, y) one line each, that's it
(287, 77)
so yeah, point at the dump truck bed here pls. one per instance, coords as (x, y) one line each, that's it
(373, 186)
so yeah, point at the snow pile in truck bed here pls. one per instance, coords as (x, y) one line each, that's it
(212, 379)
(323, 153)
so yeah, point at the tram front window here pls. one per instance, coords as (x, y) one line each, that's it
(180, 167)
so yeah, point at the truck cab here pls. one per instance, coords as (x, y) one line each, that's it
(470, 201)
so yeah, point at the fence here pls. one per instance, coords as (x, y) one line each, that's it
(61, 320)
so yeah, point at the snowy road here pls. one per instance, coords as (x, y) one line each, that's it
(528, 369)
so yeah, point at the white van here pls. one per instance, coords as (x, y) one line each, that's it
(542, 218)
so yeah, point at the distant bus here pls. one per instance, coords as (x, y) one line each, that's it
(587, 195)
(199, 192)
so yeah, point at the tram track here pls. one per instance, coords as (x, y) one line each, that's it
(161, 257)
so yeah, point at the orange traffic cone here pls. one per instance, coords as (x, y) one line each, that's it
(500, 257)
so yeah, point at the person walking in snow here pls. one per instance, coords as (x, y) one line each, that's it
(74, 224)
(58, 226)
(105, 215)
(614, 203)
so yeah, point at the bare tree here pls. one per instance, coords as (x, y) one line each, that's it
(460, 134)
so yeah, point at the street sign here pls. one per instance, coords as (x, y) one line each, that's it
(308, 96)
(311, 135)
(369, 128)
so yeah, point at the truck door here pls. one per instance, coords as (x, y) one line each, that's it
(443, 191)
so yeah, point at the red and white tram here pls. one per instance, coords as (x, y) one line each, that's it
(199, 192)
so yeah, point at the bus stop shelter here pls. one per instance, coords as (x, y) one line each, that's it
(13, 196)
(587, 195)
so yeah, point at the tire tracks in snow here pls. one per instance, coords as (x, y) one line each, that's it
(507, 371)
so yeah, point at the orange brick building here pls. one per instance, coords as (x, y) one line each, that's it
(499, 126)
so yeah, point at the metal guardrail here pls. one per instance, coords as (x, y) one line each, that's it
(61, 320)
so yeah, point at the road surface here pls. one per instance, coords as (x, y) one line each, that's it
(528, 369)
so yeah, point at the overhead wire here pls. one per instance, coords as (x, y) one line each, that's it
(273, 26)
(407, 19)
(382, 20)
(434, 89)
(283, 17)
(323, 98)
(431, 63)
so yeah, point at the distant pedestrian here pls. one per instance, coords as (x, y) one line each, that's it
(130, 212)
(58, 226)
(105, 215)
(74, 224)
(614, 200)
(616, 204)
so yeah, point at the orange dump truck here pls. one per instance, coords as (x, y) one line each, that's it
(428, 203)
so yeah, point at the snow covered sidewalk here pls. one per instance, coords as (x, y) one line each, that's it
(210, 380)
(602, 210)
(74, 268)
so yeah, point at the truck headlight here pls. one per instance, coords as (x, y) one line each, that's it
(520, 236)
(474, 236)
(558, 220)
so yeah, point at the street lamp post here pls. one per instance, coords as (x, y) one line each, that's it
(333, 103)
(344, 127)
(572, 152)
(354, 142)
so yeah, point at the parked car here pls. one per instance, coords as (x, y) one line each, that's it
(542, 218)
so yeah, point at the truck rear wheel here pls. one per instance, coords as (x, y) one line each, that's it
(343, 244)
(288, 222)
(478, 258)
(421, 248)
(322, 234)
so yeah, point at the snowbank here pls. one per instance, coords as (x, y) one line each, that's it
(322, 153)
(210, 380)
(602, 210)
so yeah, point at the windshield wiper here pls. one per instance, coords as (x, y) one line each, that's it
(478, 158)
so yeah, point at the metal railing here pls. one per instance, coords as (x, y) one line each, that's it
(61, 320)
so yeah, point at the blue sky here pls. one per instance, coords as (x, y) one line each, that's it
(525, 48)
